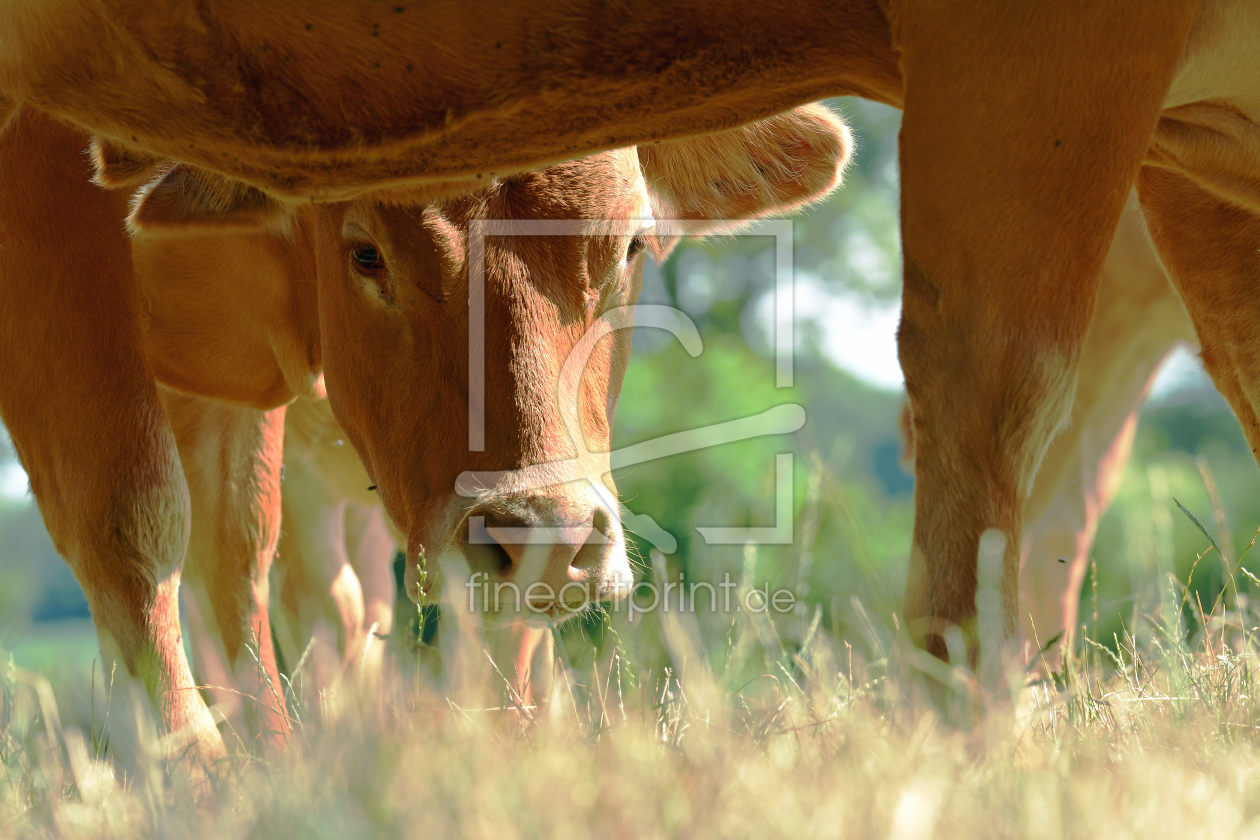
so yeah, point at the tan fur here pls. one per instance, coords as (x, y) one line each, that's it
(231, 457)
(741, 170)
(336, 551)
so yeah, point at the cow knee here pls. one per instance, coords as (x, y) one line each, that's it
(129, 570)
(133, 534)
(995, 397)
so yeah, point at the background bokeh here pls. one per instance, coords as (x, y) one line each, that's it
(852, 499)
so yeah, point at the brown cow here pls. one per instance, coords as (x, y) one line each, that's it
(1025, 128)
(225, 308)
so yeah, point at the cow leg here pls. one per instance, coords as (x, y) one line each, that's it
(231, 457)
(81, 406)
(1016, 157)
(525, 656)
(371, 549)
(1137, 320)
(319, 581)
(1209, 247)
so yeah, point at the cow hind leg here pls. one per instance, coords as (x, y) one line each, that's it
(81, 406)
(1209, 245)
(231, 457)
(321, 587)
(1137, 320)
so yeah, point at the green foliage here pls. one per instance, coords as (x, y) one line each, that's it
(1184, 446)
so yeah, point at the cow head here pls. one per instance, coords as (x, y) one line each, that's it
(456, 336)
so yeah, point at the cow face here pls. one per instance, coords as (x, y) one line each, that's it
(445, 330)
(474, 360)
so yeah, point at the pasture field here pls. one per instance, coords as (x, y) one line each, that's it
(776, 727)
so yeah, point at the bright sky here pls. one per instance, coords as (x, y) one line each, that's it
(13, 481)
(861, 338)
(857, 336)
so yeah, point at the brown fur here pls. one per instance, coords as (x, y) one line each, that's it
(100, 455)
(118, 167)
(238, 319)
(1025, 127)
(1137, 320)
(183, 197)
(998, 295)
(1209, 247)
(336, 98)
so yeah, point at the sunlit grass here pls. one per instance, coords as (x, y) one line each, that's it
(789, 731)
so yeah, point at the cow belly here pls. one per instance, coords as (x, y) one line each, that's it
(1210, 128)
(1220, 62)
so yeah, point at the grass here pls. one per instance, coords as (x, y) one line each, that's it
(768, 728)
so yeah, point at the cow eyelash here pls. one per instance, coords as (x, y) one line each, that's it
(366, 260)
(636, 247)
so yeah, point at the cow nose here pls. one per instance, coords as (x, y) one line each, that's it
(515, 536)
(550, 553)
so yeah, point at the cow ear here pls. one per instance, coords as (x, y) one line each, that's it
(776, 165)
(186, 198)
(120, 168)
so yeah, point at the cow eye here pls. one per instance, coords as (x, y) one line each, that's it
(368, 262)
(368, 257)
(636, 247)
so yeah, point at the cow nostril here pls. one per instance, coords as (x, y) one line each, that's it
(588, 555)
(486, 551)
(601, 523)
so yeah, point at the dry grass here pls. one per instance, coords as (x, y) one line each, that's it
(792, 733)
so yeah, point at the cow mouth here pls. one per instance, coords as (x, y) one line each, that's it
(558, 612)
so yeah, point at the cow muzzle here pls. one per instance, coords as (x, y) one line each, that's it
(544, 556)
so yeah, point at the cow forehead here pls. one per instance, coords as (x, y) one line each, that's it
(600, 187)
(608, 185)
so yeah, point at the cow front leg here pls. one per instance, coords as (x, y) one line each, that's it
(322, 590)
(524, 655)
(1023, 130)
(79, 400)
(371, 548)
(232, 457)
